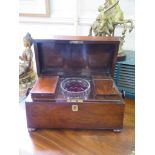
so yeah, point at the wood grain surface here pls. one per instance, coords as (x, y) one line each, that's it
(104, 87)
(79, 142)
(76, 55)
(103, 115)
(95, 114)
(45, 87)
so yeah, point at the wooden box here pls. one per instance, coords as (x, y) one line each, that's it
(91, 58)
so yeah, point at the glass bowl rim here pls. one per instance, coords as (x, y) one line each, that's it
(66, 79)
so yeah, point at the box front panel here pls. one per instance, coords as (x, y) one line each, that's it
(75, 115)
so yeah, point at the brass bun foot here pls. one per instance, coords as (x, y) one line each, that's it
(32, 129)
(117, 130)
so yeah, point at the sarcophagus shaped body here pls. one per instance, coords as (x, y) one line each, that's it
(75, 87)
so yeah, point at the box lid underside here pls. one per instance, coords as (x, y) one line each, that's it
(82, 57)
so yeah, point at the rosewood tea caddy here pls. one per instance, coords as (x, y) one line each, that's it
(75, 87)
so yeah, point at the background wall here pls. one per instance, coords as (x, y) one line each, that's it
(72, 17)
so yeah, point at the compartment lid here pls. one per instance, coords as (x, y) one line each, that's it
(76, 55)
(45, 87)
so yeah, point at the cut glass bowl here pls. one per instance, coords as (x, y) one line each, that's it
(75, 88)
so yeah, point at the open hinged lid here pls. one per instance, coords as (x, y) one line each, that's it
(76, 55)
